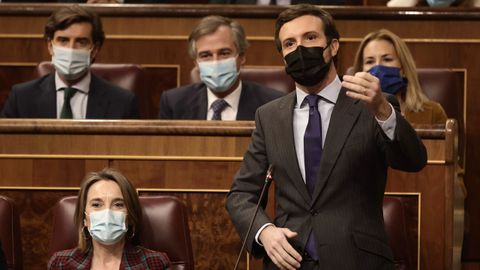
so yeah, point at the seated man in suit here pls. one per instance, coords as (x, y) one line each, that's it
(74, 37)
(217, 46)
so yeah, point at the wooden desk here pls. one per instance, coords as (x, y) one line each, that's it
(44, 160)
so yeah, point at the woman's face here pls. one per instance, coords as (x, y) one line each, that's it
(104, 194)
(380, 52)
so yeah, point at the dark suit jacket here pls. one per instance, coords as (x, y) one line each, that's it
(38, 99)
(345, 211)
(190, 102)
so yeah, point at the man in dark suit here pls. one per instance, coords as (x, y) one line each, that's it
(331, 144)
(74, 37)
(217, 45)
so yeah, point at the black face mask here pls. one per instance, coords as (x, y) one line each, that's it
(306, 65)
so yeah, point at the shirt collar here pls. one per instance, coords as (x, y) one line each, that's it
(83, 85)
(330, 92)
(233, 99)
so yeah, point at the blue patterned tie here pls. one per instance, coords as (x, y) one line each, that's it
(218, 106)
(313, 153)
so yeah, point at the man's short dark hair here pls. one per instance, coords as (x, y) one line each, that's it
(65, 17)
(330, 30)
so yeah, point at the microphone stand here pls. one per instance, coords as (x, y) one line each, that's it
(266, 184)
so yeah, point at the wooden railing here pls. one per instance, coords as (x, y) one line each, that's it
(44, 160)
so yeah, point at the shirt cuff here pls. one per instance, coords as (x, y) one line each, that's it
(260, 231)
(388, 126)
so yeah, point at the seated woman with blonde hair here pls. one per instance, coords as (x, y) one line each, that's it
(108, 216)
(386, 56)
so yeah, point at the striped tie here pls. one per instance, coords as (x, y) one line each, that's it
(218, 106)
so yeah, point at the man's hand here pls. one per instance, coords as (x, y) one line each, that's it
(282, 254)
(366, 87)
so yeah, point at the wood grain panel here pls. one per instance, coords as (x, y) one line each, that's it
(22, 24)
(11, 74)
(46, 172)
(430, 183)
(206, 175)
(160, 146)
(23, 50)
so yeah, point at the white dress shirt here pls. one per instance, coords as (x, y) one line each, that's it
(79, 100)
(233, 100)
(325, 108)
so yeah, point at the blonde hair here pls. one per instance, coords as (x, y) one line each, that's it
(130, 197)
(414, 97)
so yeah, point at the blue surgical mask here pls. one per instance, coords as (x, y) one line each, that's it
(390, 79)
(220, 75)
(107, 226)
(71, 63)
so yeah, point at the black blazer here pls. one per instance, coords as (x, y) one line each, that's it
(38, 99)
(345, 210)
(190, 102)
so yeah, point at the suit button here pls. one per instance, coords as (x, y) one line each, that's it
(313, 212)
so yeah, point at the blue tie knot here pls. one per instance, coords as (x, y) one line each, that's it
(312, 100)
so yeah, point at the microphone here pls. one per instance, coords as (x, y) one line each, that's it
(266, 184)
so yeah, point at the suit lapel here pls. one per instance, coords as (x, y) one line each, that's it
(196, 108)
(246, 104)
(344, 116)
(286, 144)
(97, 105)
(47, 101)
